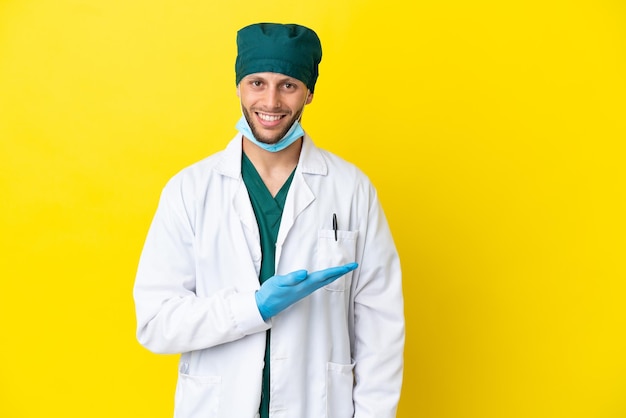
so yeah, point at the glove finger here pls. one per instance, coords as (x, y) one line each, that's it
(291, 279)
(330, 274)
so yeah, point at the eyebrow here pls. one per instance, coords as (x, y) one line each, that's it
(285, 79)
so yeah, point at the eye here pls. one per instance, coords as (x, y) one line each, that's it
(256, 83)
(289, 86)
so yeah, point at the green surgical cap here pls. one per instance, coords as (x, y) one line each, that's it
(290, 49)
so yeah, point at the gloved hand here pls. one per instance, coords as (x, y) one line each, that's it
(280, 292)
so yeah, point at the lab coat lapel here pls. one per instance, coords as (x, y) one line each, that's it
(230, 166)
(300, 195)
(243, 208)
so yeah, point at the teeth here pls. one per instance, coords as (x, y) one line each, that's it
(268, 118)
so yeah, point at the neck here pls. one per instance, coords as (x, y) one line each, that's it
(273, 167)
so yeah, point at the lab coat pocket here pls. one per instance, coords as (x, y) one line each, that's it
(333, 252)
(339, 386)
(197, 396)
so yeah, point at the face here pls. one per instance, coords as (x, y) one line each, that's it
(271, 103)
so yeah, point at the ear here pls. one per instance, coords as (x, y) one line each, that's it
(238, 94)
(309, 98)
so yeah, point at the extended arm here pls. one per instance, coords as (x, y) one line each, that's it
(171, 318)
(280, 292)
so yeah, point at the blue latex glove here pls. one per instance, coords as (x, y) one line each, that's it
(279, 292)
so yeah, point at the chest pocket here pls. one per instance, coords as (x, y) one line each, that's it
(332, 253)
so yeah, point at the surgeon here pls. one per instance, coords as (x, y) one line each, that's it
(270, 265)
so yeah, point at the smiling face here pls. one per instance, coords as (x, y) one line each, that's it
(271, 103)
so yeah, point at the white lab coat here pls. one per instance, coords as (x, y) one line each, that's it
(337, 353)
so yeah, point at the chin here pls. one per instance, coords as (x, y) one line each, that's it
(272, 140)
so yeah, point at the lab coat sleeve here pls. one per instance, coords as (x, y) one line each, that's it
(171, 318)
(379, 328)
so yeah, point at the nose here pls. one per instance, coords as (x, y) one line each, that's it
(272, 98)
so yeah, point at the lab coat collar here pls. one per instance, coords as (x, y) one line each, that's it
(311, 159)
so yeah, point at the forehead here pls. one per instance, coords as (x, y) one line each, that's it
(272, 77)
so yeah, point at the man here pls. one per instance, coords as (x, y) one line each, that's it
(270, 265)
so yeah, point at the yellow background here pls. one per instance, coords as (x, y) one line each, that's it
(494, 131)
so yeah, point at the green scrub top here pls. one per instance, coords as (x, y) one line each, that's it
(268, 211)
